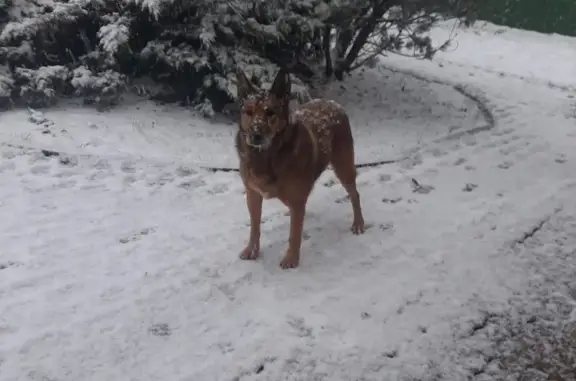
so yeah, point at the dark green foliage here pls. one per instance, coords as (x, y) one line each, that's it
(191, 47)
(545, 16)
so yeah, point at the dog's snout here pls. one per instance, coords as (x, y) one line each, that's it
(256, 138)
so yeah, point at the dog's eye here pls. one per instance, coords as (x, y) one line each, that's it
(269, 112)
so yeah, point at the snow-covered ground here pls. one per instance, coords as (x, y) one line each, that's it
(118, 254)
(392, 114)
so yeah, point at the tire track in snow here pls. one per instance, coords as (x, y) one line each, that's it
(180, 289)
(528, 151)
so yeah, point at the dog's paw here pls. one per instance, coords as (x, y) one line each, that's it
(289, 261)
(251, 252)
(358, 227)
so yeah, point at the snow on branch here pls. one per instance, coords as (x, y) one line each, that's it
(29, 27)
(39, 88)
(193, 47)
(115, 35)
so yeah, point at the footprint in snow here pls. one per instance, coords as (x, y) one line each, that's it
(469, 187)
(411, 162)
(98, 175)
(127, 167)
(421, 188)
(9, 155)
(185, 171)
(561, 159)
(437, 152)
(50, 153)
(160, 329)
(504, 131)
(470, 141)
(300, 327)
(385, 227)
(329, 183)
(219, 189)
(129, 180)
(137, 236)
(192, 184)
(384, 178)
(38, 117)
(160, 180)
(102, 164)
(67, 160)
(391, 354)
(459, 161)
(5, 265)
(67, 183)
(38, 156)
(39, 169)
(505, 165)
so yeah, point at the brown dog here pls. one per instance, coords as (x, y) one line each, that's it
(282, 157)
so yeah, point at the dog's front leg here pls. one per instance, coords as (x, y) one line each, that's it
(254, 203)
(292, 257)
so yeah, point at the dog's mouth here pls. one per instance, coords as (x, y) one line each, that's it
(258, 141)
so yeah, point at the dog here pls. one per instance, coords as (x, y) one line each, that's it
(282, 155)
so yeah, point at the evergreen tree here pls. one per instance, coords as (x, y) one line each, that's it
(98, 49)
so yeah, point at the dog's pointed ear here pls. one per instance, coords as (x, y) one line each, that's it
(281, 87)
(244, 86)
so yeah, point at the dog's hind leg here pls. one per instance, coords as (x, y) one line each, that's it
(345, 170)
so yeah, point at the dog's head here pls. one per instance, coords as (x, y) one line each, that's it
(264, 114)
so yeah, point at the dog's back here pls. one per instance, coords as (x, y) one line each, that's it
(328, 126)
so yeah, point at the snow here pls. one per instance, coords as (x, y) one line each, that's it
(112, 36)
(119, 253)
(388, 121)
(539, 62)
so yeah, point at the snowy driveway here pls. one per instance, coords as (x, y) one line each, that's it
(126, 269)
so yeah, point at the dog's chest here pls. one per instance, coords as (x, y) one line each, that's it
(262, 186)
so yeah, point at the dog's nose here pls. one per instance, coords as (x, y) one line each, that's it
(256, 138)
